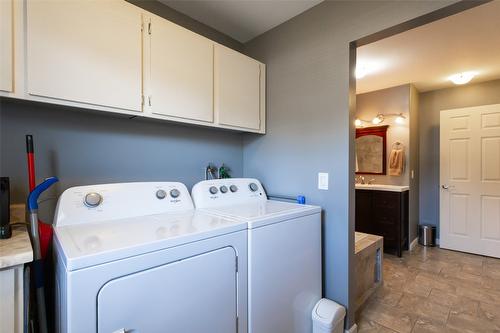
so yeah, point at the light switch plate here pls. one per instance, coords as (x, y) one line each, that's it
(322, 181)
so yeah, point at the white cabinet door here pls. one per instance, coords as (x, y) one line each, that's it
(181, 72)
(470, 180)
(6, 45)
(237, 89)
(85, 51)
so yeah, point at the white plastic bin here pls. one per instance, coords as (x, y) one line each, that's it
(328, 317)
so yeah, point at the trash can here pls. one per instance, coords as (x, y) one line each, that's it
(427, 235)
(328, 317)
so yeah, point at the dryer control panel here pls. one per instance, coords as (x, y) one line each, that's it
(95, 203)
(222, 192)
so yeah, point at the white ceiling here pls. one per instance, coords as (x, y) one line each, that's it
(428, 55)
(241, 19)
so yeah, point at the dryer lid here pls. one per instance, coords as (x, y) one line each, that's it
(90, 244)
(262, 213)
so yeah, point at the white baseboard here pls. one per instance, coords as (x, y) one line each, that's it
(353, 329)
(413, 243)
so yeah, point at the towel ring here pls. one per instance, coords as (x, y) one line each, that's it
(398, 144)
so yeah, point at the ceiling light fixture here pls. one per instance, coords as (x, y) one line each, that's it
(361, 72)
(462, 78)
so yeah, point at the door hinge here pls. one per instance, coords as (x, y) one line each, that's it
(149, 28)
(149, 100)
(236, 263)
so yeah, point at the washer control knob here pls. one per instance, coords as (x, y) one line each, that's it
(92, 199)
(175, 193)
(161, 194)
(253, 187)
(213, 190)
(233, 188)
(223, 189)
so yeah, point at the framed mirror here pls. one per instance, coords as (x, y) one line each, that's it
(371, 150)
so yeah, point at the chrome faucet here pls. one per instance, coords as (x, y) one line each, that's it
(359, 180)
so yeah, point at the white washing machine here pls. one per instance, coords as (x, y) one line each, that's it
(284, 252)
(136, 257)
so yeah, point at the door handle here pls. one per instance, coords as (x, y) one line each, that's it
(447, 187)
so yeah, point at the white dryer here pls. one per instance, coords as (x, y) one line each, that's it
(284, 252)
(136, 257)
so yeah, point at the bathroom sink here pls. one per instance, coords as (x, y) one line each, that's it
(382, 187)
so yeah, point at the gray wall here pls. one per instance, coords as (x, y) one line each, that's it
(390, 100)
(83, 147)
(431, 103)
(309, 128)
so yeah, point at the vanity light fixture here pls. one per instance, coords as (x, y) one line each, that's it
(378, 119)
(400, 119)
(462, 78)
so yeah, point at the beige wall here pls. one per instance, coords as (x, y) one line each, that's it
(414, 163)
(401, 99)
(390, 100)
(431, 103)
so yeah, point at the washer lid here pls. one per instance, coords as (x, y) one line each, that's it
(258, 214)
(91, 244)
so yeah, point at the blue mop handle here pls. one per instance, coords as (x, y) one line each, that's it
(37, 191)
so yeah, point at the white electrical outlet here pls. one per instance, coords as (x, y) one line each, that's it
(322, 181)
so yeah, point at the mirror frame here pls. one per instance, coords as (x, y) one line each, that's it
(378, 131)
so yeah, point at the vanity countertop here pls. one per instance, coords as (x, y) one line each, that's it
(381, 187)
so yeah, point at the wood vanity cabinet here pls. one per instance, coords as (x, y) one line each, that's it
(384, 213)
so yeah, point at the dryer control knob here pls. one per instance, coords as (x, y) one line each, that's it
(233, 188)
(213, 190)
(253, 187)
(161, 194)
(92, 199)
(223, 189)
(175, 193)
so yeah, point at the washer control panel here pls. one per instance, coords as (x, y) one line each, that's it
(219, 192)
(94, 203)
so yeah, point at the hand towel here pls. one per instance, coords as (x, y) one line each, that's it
(396, 162)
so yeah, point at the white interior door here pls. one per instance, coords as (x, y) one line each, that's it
(470, 180)
(6, 46)
(85, 51)
(181, 72)
(197, 294)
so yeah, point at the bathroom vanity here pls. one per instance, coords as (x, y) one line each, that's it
(383, 210)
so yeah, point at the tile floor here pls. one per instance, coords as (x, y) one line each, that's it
(435, 290)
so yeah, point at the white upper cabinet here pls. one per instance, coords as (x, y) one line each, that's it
(85, 51)
(180, 72)
(238, 90)
(6, 45)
